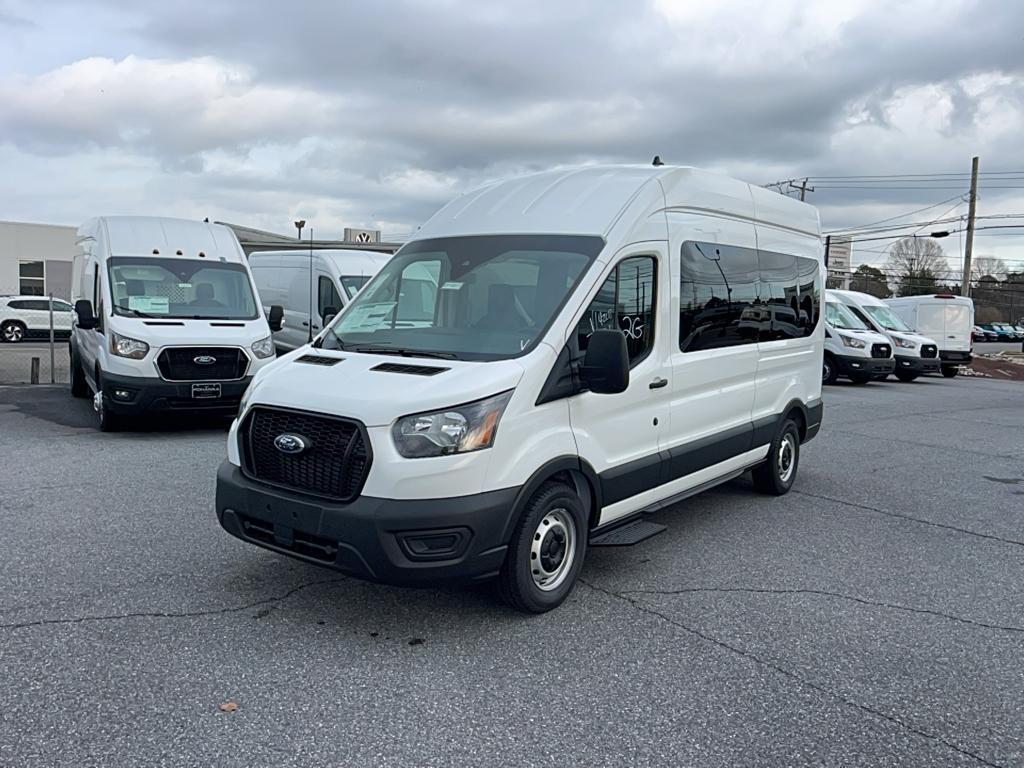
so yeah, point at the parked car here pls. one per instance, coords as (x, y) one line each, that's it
(915, 354)
(312, 288)
(979, 334)
(27, 317)
(945, 317)
(581, 363)
(1002, 334)
(852, 349)
(167, 318)
(1010, 331)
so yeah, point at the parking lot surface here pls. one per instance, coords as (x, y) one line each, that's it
(873, 616)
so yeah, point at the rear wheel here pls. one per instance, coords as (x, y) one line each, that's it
(829, 370)
(949, 371)
(776, 475)
(905, 376)
(546, 552)
(12, 332)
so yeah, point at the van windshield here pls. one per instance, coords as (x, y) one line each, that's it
(885, 318)
(839, 316)
(478, 297)
(147, 286)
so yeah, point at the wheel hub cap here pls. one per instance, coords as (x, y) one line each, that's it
(553, 549)
(787, 454)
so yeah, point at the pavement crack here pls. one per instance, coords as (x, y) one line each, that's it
(172, 614)
(766, 663)
(826, 593)
(921, 520)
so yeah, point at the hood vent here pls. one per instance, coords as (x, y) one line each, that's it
(319, 360)
(228, 325)
(415, 370)
(162, 322)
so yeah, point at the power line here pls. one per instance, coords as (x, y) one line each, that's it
(893, 218)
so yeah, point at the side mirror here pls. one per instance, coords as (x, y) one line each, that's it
(276, 318)
(83, 313)
(605, 368)
(328, 315)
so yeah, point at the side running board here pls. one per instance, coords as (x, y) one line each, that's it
(628, 534)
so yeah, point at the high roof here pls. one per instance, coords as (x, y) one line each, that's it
(141, 235)
(592, 199)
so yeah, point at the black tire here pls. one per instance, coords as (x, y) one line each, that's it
(108, 422)
(905, 377)
(949, 371)
(79, 386)
(861, 378)
(12, 332)
(829, 370)
(776, 475)
(558, 510)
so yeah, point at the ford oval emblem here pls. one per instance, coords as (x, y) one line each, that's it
(291, 444)
(204, 359)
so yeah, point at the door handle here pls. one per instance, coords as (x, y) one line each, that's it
(305, 324)
(658, 383)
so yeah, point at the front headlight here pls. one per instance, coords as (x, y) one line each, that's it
(849, 341)
(460, 429)
(123, 346)
(904, 343)
(264, 348)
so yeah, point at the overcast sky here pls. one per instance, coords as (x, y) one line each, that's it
(376, 113)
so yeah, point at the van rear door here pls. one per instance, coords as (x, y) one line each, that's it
(957, 323)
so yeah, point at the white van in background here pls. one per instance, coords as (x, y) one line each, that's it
(310, 287)
(916, 355)
(947, 318)
(167, 318)
(578, 361)
(852, 349)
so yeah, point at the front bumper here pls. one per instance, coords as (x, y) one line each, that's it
(394, 541)
(918, 365)
(136, 395)
(864, 366)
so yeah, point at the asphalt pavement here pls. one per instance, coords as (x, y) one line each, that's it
(873, 616)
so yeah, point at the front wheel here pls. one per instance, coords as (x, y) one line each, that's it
(546, 552)
(905, 377)
(949, 371)
(776, 475)
(108, 422)
(829, 370)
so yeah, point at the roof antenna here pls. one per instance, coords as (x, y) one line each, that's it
(657, 161)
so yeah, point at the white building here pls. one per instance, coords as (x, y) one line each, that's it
(35, 259)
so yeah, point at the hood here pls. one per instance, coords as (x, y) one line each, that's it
(200, 333)
(353, 389)
(871, 337)
(915, 337)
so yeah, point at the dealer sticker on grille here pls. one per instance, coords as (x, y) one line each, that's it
(206, 391)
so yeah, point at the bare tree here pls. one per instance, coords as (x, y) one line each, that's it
(916, 265)
(868, 279)
(988, 266)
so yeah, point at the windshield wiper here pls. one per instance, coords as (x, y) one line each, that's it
(403, 352)
(136, 312)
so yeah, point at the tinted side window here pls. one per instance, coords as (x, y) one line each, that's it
(38, 304)
(625, 302)
(718, 297)
(327, 297)
(17, 304)
(790, 289)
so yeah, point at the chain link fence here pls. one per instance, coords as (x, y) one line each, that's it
(33, 338)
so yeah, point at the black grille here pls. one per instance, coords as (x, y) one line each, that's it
(179, 363)
(929, 350)
(415, 370)
(334, 464)
(881, 350)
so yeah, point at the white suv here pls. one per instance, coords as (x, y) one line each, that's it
(23, 317)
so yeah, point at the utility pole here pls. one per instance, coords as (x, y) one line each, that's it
(803, 190)
(965, 281)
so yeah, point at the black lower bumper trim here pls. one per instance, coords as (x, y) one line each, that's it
(408, 542)
(847, 365)
(134, 395)
(918, 365)
(955, 358)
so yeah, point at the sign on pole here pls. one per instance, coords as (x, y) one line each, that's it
(839, 258)
(362, 235)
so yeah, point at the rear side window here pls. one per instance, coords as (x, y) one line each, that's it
(718, 297)
(790, 288)
(625, 302)
(17, 304)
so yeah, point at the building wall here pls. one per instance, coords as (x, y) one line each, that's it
(48, 249)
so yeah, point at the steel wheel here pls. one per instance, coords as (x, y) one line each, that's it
(787, 457)
(553, 549)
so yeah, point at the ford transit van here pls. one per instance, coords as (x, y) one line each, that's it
(311, 288)
(852, 349)
(945, 317)
(584, 353)
(915, 354)
(166, 318)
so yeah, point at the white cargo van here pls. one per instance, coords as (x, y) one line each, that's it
(947, 318)
(311, 288)
(167, 318)
(915, 354)
(579, 361)
(852, 349)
